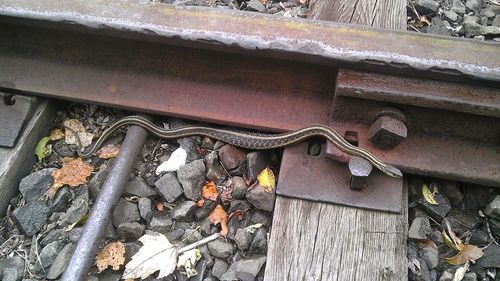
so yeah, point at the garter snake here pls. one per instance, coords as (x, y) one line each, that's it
(245, 139)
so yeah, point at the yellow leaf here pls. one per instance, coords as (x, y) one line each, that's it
(73, 173)
(267, 180)
(430, 196)
(57, 134)
(466, 254)
(447, 240)
(112, 255)
(43, 150)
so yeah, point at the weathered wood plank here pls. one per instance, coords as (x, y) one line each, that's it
(316, 241)
(390, 14)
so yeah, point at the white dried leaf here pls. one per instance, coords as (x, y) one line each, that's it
(157, 253)
(187, 260)
(76, 125)
(460, 273)
(177, 159)
(252, 228)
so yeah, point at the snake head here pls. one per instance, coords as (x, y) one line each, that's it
(392, 171)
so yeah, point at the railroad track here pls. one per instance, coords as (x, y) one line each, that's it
(432, 109)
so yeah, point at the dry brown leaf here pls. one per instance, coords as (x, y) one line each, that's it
(240, 214)
(112, 255)
(423, 21)
(302, 2)
(57, 134)
(209, 191)
(73, 173)
(456, 241)
(200, 203)
(219, 216)
(263, 1)
(466, 254)
(77, 126)
(108, 151)
(160, 206)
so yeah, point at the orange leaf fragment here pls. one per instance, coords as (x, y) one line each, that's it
(209, 191)
(240, 214)
(112, 255)
(466, 254)
(200, 203)
(218, 215)
(108, 151)
(160, 206)
(73, 173)
(57, 134)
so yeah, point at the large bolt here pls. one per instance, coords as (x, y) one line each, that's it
(389, 128)
(360, 169)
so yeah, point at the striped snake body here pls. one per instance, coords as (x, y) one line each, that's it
(245, 139)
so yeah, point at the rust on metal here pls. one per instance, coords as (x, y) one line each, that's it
(320, 179)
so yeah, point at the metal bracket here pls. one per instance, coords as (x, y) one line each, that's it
(15, 110)
(319, 178)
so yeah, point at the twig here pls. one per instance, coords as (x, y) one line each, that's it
(199, 243)
(489, 232)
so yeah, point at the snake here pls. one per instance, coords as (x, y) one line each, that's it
(247, 140)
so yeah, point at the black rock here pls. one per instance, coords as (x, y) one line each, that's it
(242, 205)
(131, 249)
(458, 7)
(125, 212)
(427, 7)
(232, 157)
(192, 176)
(175, 234)
(205, 227)
(36, 185)
(262, 217)
(64, 150)
(169, 187)
(207, 143)
(190, 145)
(437, 211)
(421, 272)
(161, 223)
(238, 171)
(220, 267)
(109, 275)
(205, 253)
(477, 197)
(256, 6)
(130, 230)
(452, 191)
(61, 200)
(12, 269)
(31, 217)
(138, 187)
(246, 269)
(430, 255)
(420, 228)
(491, 257)
(78, 209)
(461, 221)
(493, 208)
(191, 235)
(61, 261)
(479, 237)
(48, 255)
(256, 162)
(220, 249)
(184, 211)
(259, 242)
(239, 187)
(215, 171)
(243, 238)
(205, 210)
(53, 235)
(98, 179)
(145, 209)
(261, 199)
(438, 27)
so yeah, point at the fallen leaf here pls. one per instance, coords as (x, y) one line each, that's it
(460, 273)
(423, 21)
(429, 196)
(218, 215)
(43, 150)
(57, 134)
(302, 2)
(157, 253)
(200, 203)
(252, 228)
(81, 221)
(238, 213)
(263, 1)
(77, 126)
(209, 191)
(447, 240)
(187, 261)
(112, 255)
(177, 159)
(457, 242)
(226, 195)
(466, 254)
(267, 180)
(108, 151)
(73, 173)
(160, 206)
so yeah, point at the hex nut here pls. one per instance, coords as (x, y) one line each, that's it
(360, 169)
(387, 132)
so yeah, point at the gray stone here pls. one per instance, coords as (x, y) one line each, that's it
(145, 209)
(64, 150)
(488, 13)
(220, 249)
(125, 212)
(493, 208)
(256, 162)
(261, 217)
(420, 228)
(191, 235)
(161, 223)
(31, 217)
(175, 234)
(47, 255)
(220, 267)
(491, 257)
(211, 278)
(61, 261)
(53, 235)
(470, 18)
(496, 21)
(472, 29)
(479, 237)
(427, 7)
(461, 221)
(447, 276)
(109, 275)
(458, 7)
(205, 253)
(470, 276)
(259, 242)
(12, 269)
(190, 144)
(438, 27)
(75, 234)
(184, 211)
(36, 185)
(205, 210)
(207, 143)
(79, 208)
(421, 272)
(239, 187)
(490, 30)
(261, 199)
(205, 227)
(61, 200)
(242, 205)
(256, 6)
(232, 157)
(244, 269)
(138, 187)
(169, 187)
(192, 176)
(215, 171)
(92, 278)
(430, 255)
(243, 238)
(131, 249)
(472, 5)
(130, 230)
(451, 15)
(98, 179)
(452, 191)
